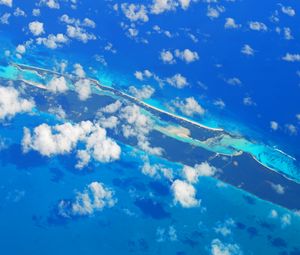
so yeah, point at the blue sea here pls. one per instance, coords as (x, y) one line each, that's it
(231, 217)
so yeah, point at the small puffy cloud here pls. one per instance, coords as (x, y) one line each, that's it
(177, 81)
(184, 193)
(291, 57)
(279, 189)
(36, 28)
(291, 129)
(187, 55)
(220, 103)
(4, 19)
(52, 4)
(288, 10)
(78, 71)
(298, 116)
(135, 12)
(112, 108)
(192, 174)
(52, 41)
(144, 93)
(138, 125)
(21, 49)
(141, 75)
(219, 248)
(58, 85)
(63, 139)
(273, 214)
(184, 4)
(234, 81)
(214, 12)
(230, 23)
(286, 220)
(160, 6)
(247, 50)
(95, 197)
(58, 111)
(189, 106)
(79, 34)
(8, 3)
(36, 12)
(11, 103)
(257, 26)
(167, 57)
(156, 170)
(287, 32)
(224, 228)
(19, 12)
(274, 125)
(83, 88)
(248, 101)
(76, 22)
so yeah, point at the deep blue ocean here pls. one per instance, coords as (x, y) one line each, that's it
(255, 89)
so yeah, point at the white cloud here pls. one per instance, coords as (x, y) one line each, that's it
(83, 88)
(94, 198)
(58, 85)
(247, 50)
(112, 108)
(234, 81)
(214, 13)
(77, 22)
(248, 101)
(160, 6)
(21, 49)
(184, 4)
(288, 10)
(19, 12)
(144, 93)
(273, 214)
(58, 111)
(6, 2)
(52, 4)
(156, 170)
(167, 57)
(292, 129)
(52, 41)
(286, 220)
(187, 55)
(177, 81)
(185, 194)
(219, 248)
(36, 28)
(257, 26)
(80, 34)
(225, 228)
(191, 174)
(63, 139)
(4, 19)
(230, 23)
(189, 106)
(135, 12)
(138, 125)
(274, 125)
(11, 103)
(287, 33)
(36, 12)
(291, 57)
(279, 189)
(220, 103)
(78, 70)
